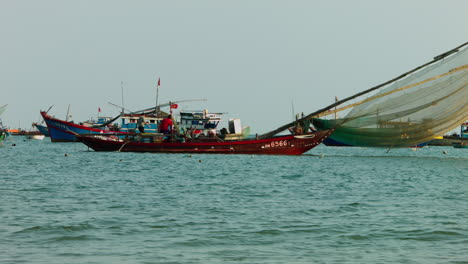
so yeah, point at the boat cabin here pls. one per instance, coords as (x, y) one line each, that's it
(199, 120)
(130, 123)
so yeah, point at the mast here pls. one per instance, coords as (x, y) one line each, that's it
(156, 110)
(311, 115)
(68, 111)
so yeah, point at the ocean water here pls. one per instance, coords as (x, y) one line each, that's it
(61, 203)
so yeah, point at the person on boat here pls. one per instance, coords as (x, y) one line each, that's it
(141, 124)
(166, 125)
(224, 131)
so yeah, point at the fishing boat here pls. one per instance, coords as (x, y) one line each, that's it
(197, 133)
(463, 134)
(159, 143)
(408, 110)
(65, 131)
(43, 129)
(3, 132)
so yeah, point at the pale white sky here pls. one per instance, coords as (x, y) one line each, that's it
(250, 59)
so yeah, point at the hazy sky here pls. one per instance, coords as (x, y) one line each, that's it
(250, 59)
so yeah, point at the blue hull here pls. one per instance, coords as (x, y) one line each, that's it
(43, 129)
(63, 131)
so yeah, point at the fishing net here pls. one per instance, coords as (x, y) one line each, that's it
(413, 110)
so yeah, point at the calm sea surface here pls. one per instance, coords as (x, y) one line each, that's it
(333, 205)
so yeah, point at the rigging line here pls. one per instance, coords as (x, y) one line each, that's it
(393, 91)
(123, 145)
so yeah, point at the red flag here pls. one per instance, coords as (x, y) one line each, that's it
(99, 109)
(174, 106)
(159, 81)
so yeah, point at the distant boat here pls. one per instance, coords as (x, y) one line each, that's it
(3, 130)
(36, 137)
(43, 129)
(3, 135)
(463, 134)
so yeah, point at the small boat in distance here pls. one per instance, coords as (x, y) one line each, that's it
(463, 134)
(36, 137)
(3, 135)
(43, 129)
(3, 130)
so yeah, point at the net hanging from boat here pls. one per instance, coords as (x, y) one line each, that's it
(410, 111)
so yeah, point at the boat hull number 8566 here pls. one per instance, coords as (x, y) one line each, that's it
(277, 144)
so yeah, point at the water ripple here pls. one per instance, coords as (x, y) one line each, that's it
(354, 205)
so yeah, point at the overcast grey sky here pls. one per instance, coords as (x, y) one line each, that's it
(250, 59)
